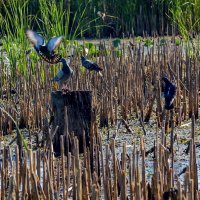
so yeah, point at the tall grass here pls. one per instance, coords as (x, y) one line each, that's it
(13, 22)
(147, 16)
(56, 18)
(186, 16)
(138, 16)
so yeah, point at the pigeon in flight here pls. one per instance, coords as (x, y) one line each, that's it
(91, 65)
(169, 93)
(46, 51)
(63, 75)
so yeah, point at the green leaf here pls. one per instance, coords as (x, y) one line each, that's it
(116, 42)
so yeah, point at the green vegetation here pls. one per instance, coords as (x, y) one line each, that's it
(52, 18)
(78, 19)
(84, 18)
(186, 16)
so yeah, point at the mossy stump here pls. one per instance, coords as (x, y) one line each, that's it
(72, 115)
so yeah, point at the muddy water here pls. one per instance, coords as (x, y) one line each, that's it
(181, 159)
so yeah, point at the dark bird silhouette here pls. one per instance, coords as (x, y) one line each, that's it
(151, 150)
(63, 75)
(169, 93)
(183, 171)
(46, 51)
(92, 66)
(172, 193)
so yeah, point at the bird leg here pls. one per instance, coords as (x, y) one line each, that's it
(65, 89)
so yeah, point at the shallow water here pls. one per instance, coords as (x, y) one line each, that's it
(181, 159)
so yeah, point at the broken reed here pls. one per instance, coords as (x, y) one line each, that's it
(39, 175)
(131, 83)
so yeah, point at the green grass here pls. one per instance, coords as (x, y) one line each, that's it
(15, 19)
(185, 15)
(52, 18)
(79, 18)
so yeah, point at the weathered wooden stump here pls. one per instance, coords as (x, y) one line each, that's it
(72, 115)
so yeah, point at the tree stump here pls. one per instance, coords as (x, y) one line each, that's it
(77, 106)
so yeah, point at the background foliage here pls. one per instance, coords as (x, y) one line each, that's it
(138, 16)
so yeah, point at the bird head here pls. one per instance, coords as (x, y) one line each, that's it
(82, 58)
(62, 60)
(64, 63)
(165, 79)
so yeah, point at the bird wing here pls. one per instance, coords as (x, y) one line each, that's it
(52, 59)
(169, 94)
(96, 67)
(54, 42)
(90, 65)
(170, 90)
(35, 38)
(86, 64)
(59, 76)
(173, 90)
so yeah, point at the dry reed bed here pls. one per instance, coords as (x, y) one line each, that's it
(131, 85)
(96, 174)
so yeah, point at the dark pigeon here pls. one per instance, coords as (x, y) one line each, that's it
(169, 93)
(92, 66)
(46, 51)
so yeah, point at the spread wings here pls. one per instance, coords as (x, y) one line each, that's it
(35, 38)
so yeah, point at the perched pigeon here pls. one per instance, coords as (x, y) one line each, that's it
(91, 65)
(63, 75)
(169, 93)
(46, 51)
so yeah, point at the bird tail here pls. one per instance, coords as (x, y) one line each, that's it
(100, 74)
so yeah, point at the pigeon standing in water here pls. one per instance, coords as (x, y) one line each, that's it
(63, 75)
(169, 93)
(46, 51)
(91, 65)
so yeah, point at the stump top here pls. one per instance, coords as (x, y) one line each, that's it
(71, 97)
(59, 92)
